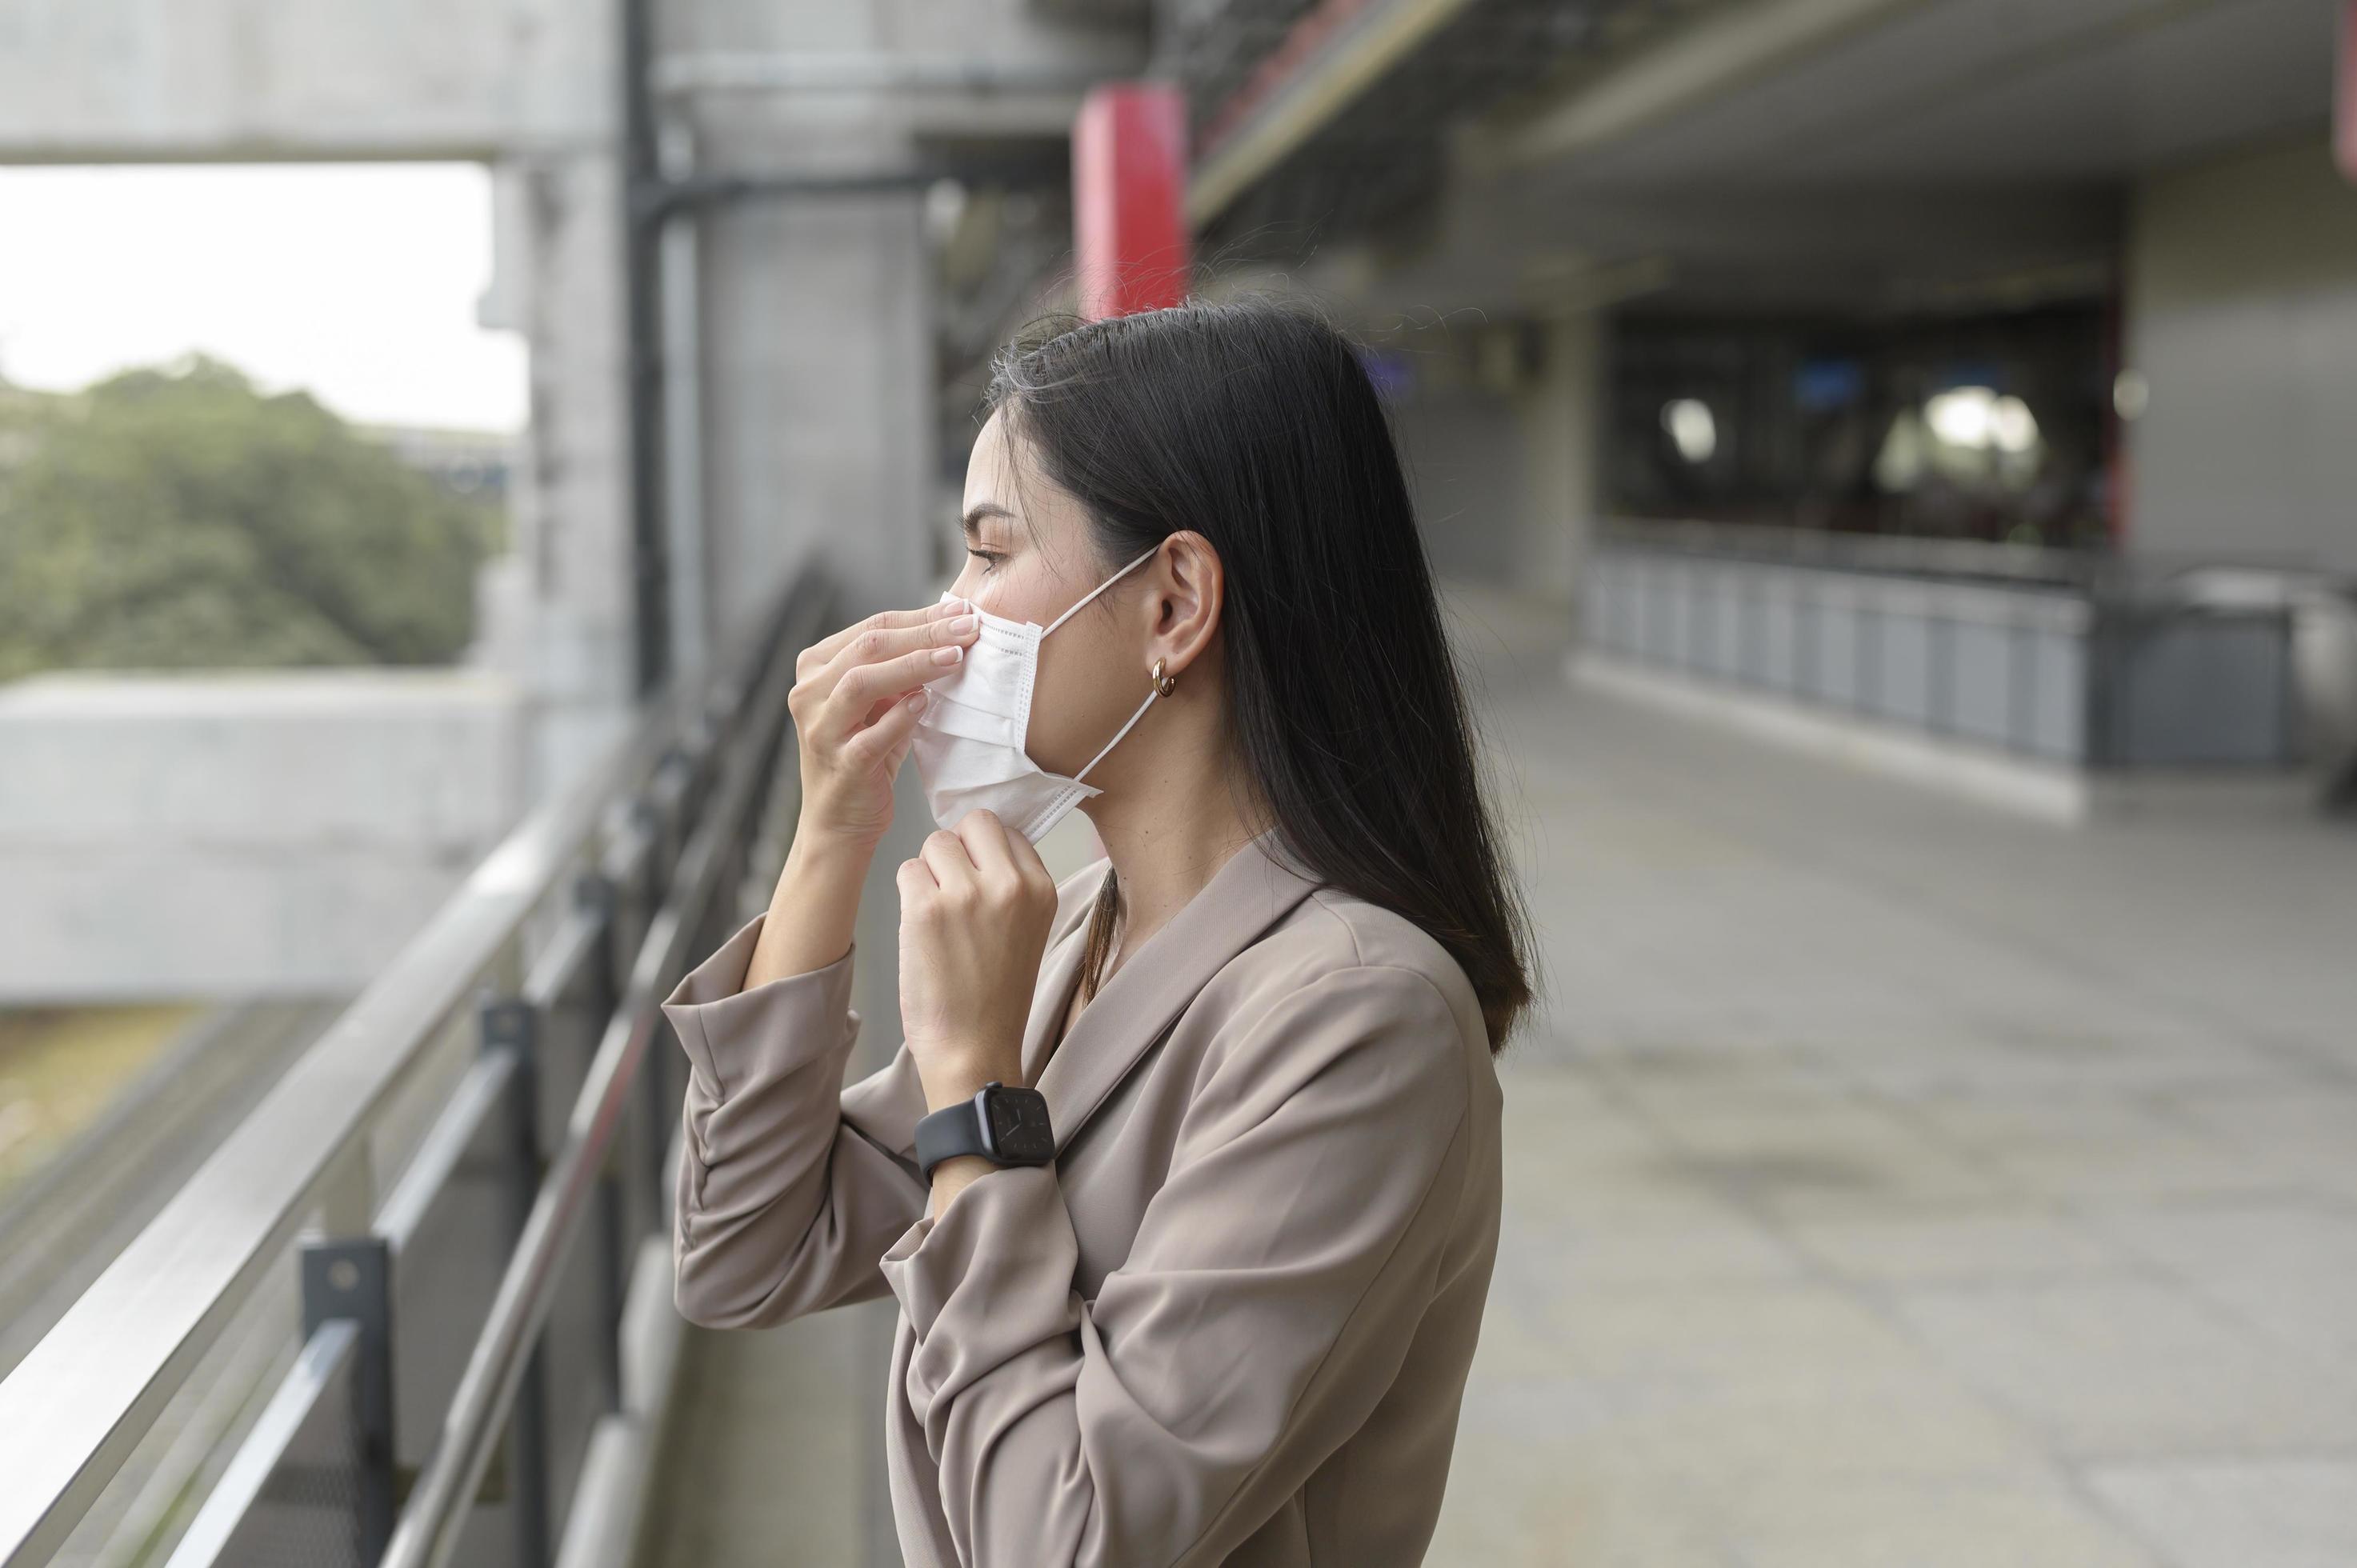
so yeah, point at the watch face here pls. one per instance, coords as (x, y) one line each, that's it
(1019, 1124)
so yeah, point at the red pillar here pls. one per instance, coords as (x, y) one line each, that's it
(1129, 199)
(2344, 112)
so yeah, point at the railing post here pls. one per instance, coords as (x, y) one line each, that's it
(596, 893)
(512, 1026)
(659, 809)
(351, 1278)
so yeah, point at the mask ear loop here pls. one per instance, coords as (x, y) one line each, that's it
(1100, 588)
(1124, 729)
(1150, 694)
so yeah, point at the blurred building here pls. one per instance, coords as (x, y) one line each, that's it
(477, 464)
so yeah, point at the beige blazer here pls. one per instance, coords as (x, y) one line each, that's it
(1229, 1323)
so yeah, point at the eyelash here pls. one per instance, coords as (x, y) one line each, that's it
(990, 558)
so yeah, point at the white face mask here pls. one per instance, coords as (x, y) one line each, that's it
(969, 743)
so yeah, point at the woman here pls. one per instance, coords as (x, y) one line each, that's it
(1219, 1308)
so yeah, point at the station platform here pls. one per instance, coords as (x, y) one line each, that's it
(1891, 1180)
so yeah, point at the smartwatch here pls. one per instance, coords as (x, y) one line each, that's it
(1006, 1127)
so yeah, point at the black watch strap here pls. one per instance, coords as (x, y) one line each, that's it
(945, 1134)
(1021, 1139)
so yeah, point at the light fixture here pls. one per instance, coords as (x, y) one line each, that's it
(1962, 416)
(2131, 395)
(2012, 426)
(1692, 429)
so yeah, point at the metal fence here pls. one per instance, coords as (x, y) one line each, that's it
(2069, 659)
(384, 1321)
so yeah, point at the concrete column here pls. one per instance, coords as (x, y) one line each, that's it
(1559, 414)
(2242, 323)
(564, 610)
(1499, 431)
(818, 377)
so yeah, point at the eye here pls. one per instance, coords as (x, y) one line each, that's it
(989, 558)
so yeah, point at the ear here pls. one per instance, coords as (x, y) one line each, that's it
(1188, 585)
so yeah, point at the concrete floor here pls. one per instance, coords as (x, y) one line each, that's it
(1892, 1182)
(1896, 1183)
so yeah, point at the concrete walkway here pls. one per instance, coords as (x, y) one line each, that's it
(1895, 1183)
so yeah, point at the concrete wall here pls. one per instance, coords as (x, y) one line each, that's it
(2241, 316)
(220, 836)
(1463, 454)
(1499, 434)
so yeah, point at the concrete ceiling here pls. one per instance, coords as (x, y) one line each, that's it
(1925, 154)
(1980, 91)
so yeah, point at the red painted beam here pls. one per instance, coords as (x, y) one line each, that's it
(1129, 199)
(2344, 114)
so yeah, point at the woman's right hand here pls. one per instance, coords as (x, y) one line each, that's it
(855, 702)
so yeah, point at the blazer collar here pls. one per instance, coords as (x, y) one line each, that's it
(1256, 888)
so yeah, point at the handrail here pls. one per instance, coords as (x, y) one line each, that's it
(2145, 575)
(435, 1514)
(73, 1410)
(2023, 564)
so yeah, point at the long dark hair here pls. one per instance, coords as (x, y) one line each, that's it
(1252, 422)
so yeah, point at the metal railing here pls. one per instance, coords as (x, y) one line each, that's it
(1961, 559)
(2085, 662)
(406, 1417)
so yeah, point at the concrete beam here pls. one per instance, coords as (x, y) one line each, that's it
(128, 80)
(1720, 50)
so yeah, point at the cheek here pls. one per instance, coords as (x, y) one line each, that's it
(1082, 697)
(1015, 589)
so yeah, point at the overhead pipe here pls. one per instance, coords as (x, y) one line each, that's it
(643, 360)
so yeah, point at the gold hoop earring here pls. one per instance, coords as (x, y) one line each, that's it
(1162, 685)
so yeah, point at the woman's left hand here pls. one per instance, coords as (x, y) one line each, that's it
(975, 907)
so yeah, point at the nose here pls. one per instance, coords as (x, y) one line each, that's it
(964, 590)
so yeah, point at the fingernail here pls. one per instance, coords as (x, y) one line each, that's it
(962, 627)
(916, 699)
(948, 655)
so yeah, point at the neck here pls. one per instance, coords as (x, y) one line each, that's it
(1168, 824)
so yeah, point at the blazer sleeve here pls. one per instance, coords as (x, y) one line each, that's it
(787, 1192)
(1274, 1285)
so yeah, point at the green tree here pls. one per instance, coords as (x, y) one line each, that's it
(182, 520)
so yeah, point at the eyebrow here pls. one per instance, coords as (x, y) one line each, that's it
(980, 510)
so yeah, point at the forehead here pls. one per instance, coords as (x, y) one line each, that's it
(989, 468)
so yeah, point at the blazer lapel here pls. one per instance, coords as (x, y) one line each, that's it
(1245, 898)
(1060, 970)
